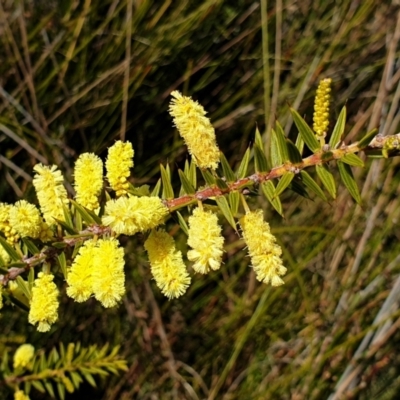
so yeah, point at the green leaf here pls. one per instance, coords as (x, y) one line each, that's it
(298, 187)
(226, 168)
(276, 158)
(242, 171)
(221, 183)
(234, 201)
(352, 159)
(260, 159)
(283, 183)
(208, 177)
(349, 181)
(63, 263)
(294, 153)
(186, 185)
(68, 217)
(258, 139)
(9, 249)
(300, 144)
(156, 191)
(281, 139)
(49, 388)
(224, 207)
(268, 189)
(68, 229)
(31, 278)
(167, 192)
(312, 185)
(190, 172)
(327, 179)
(338, 130)
(78, 221)
(61, 390)
(76, 379)
(305, 131)
(30, 246)
(182, 223)
(366, 140)
(86, 216)
(89, 378)
(38, 386)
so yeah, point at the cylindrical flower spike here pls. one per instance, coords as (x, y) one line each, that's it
(129, 215)
(108, 278)
(264, 252)
(79, 278)
(166, 264)
(206, 241)
(26, 219)
(51, 193)
(23, 355)
(118, 165)
(9, 231)
(196, 130)
(321, 107)
(44, 302)
(88, 180)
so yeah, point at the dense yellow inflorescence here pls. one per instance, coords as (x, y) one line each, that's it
(166, 264)
(196, 130)
(88, 174)
(321, 107)
(118, 165)
(265, 253)
(44, 302)
(206, 241)
(50, 191)
(9, 231)
(25, 219)
(20, 395)
(23, 356)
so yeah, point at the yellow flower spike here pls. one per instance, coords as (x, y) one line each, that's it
(196, 130)
(264, 252)
(79, 277)
(108, 277)
(20, 395)
(44, 302)
(9, 232)
(167, 266)
(26, 219)
(128, 215)
(321, 107)
(50, 191)
(118, 165)
(88, 175)
(23, 355)
(205, 240)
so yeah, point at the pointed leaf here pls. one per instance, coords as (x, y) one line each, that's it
(352, 159)
(68, 217)
(258, 139)
(226, 168)
(268, 189)
(208, 177)
(281, 139)
(366, 140)
(70, 230)
(89, 378)
(305, 131)
(294, 154)
(298, 187)
(300, 144)
(167, 192)
(61, 390)
(242, 171)
(31, 277)
(190, 172)
(186, 185)
(283, 183)
(338, 130)
(276, 158)
(63, 263)
(38, 386)
(312, 185)
(221, 183)
(234, 201)
(224, 207)
(86, 215)
(349, 181)
(156, 191)
(30, 246)
(260, 160)
(327, 179)
(49, 388)
(24, 286)
(9, 249)
(182, 223)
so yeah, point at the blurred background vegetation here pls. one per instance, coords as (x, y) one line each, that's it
(77, 75)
